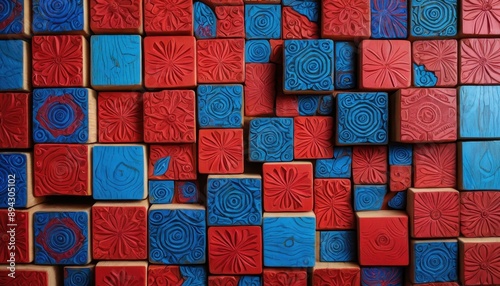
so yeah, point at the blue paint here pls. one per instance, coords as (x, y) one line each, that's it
(81, 276)
(398, 202)
(433, 18)
(308, 105)
(479, 112)
(58, 16)
(369, 197)
(480, 168)
(11, 65)
(326, 105)
(308, 8)
(205, 21)
(161, 166)
(338, 246)
(400, 154)
(262, 21)
(345, 65)
(337, 167)
(250, 281)
(423, 77)
(392, 276)
(389, 19)
(12, 17)
(13, 167)
(257, 51)
(188, 192)
(118, 172)
(193, 275)
(271, 140)
(220, 106)
(161, 192)
(435, 261)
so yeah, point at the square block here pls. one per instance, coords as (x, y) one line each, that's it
(313, 137)
(172, 162)
(335, 274)
(479, 263)
(382, 238)
(289, 239)
(161, 192)
(16, 186)
(220, 106)
(119, 172)
(15, 120)
(168, 18)
(257, 51)
(79, 275)
(433, 18)
(479, 214)
(186, 192)
(435, 63)
(64, 115)
(176, 275)
(169, 116)
(69, 17)
(15, 66)
(332, 204)
(369, 164)
(382, 275)
(220, 151)
(399, 178)
(389, 19)
(345, 19)
(170, 62)
(337, 246)
(434, 165)
(62, 235)
(478, 61)
(434, 213)
(400, 154)
(119, 231)
(300, 21)
(262, 21)
(477, 167)
(62, 169)
(177, 234)
(260, 89)
(288, 187)
(205, 21)
(26, 274)
(337, 167)
(308, 66)
(271, 140)
(116, 61)
(385, 64)
(434, 261)
(284, 276)
(425, 115)
(362, 118)
(398, 201)
(116, 272)
(221, 61)
(16, 20)
(120, 117)
(369, 197)
(230, 21)
(286, 105)
(479, 112)
(116, 16)
(480, 17)
(345, 65)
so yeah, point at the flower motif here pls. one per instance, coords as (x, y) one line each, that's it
(436, 214)
(13, 120)
(480, 61)
(120, 117)
(288, 277)
(313, 137)
(438, 56)
(70, 239)
(369, 165)
(168, 15)
(435, 165)
(346, 17)
(221, 150)
(121, 278)
(482, 264)
(332, 206)
(480, 214)
(220, 61)
(115, 13)
(60, 115)
(287, 188)
(389, 19)
(481, 16)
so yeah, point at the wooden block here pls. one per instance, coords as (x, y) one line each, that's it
(62, 169)
(479, 109)
(168, 18)
(479, 214)
(15, 71)
(186, 192)
(271, 140)
(337, 167)
(16, 20)
(116, 16)
(116, 272)
(260, 89)
(434, 165)
(62, 235)
(337, 246)
(400, 154)
(276, 51)
(300, 23)
(345, 65)
(284, 276)
(24, 275)
(477, 167)
(116, 62)
(478, 61)
(177, 234)
(289, 239)
(15, 120)
(479, 18)
(435, 63)
(335, 274)
(382, 275)
(220, 151)
(262, 21)
(119, 231)
(79, 275)
(176, 275)
(369, 197)
(286, 105)
(230, 21)
(434, 261)
(369, 165)
(172, 162)
(382, 238)
(66, 18)
(389, 19)
(119, 172)
(313, 137)
(220, 106)
(205, 21)
(345, 20)
(398, 201)
(161, 192)
(221, 61)
(434, 18)
(257, 51)
(332, 204)
(479, 263)
(120, 117)
(399, 178)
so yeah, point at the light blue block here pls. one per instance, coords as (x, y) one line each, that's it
(257, 51)
(205, 21)
(11, 65)
(400, 154)
(369, 197)
(14, 180)
(220, 106)
(433, 18)
(435, 261)
(308, 8)
(345, 65)
(161, 192)
(338, 246)
(193, 275)
(478, 165)
(479, 116)
(337, 167)
(262, 21)
(271, 140)
(78, 276)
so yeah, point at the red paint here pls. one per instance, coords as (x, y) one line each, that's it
(297, 26)
(23, 241)
(123, 275)
(434, 165)
(480, 17)
(480, 214)
(440, 57)
(287, 105)
(400, 178)
(223, 280)
(230, 21)
(313, 137)
(43, 115)
(160, 275)
(24, 277)
(120, 117)
(260, 89)
(369, 164)
(220, 151)
(172, 17)
(480, 263)
(182, 161)
(479, 61)
(276, 51)
(333, 204)
(15, 120)
(345, 19)
(221, 61)
(180, 196)
(336, 276)
(284, 276)
(116, 16)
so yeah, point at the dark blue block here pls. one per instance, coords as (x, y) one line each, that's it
(58, 16)
(423, 77)
(400, 154)
(308, 8)
(338, 167)
(257, 51)
(398, 202)
(326, 105)
(433, 18)
(12, 17)
(250, 281)
(161, 192)
(193, 275)
(78, 276)
(478, 165)
(372, 276)
(308, 105)
(11, 65)
(345, 65)
(220, 106)
(271, 140)
(434, 261)
(14, 180)
(389, 19)
(205, 21)
(479, 112)
(369, 197)
(262, 21)
(338, 246)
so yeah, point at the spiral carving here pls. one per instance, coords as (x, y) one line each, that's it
(435, 262)
(58, 15)
(220, 106)
(188, 192)
(257, 51)
(398, 202)
(205, 22)
(161, 192)
(368, 197)
(13, 164)
(308, 105)
(400, 154)
(11, 16)
(77, 276)
(434, 18)
(271, 139)
(263, 21)
(338, 246)
(424, 78)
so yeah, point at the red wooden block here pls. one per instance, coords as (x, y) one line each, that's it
(288, 187)
(336, 274)
(345, 19)
(223, 280)
(260, 89)
(313, 137)
(116, 16)
(172, 162)
(479, 261)
(480, 17)
(15, 122)
(119, 231)
(385, 64)
(168, 17)
(434, 165)
(400, 178)
(480, 214)
(169, 116)
(439, 57)
(59, 61)
(369, 164)
(164, 275)
(121, 273)
(221, 61)
(120, 117)
(382, 238)
(297, 26)
(29, 275)
(333, 204)
(220, 151)
(479, 61)
(284, 276)
(230, 21)
(276, 51)
(62, 169)
(287, 105)
(434, 213)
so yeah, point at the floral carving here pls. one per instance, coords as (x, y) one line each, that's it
(223, 281)
(481, 17)
(298, 26)
(115, 15)
(339, 276)
(481, 263)
(346, 18)
(280, 277)
(260, 89)
(480, 214)
(120, 276)
(230, 21)
(181, 163)
(333, 206)
(14, 114)
(159, 275)
(389, 19)
(120, 117)
(480, 63)
(369, 164)
(221, 61)
(168, 16)
(382, 275)
(221, 151)
(435, 165)
(313, 137)
(439, 57)
(23, 242)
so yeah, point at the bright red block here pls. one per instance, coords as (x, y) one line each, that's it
(29, 274)
(345, 19)
(223, 280)
(172, 162)
(479, 261)
(333, 204)
(313, 137)
(480, 214)
(121, 273)
(120, 117)
(479, 61)
(287, 105)
(15, 120)
(336, 274)
(480, 17)
(439, 57)
(168, 17)
(434, 165)
(230, 21)
(284, 276)
(22, 238)
(164, 275)
(297, 26)
(260, 89)
(400, 178)
(220, 151)
(221, 61)
(369, 164)
(116, 16)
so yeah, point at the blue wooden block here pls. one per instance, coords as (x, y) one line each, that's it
(262, 21)
(338, 167)
(57, 16)
(177, 234)
(371, 276)
(193, 275)
(389, 19)
(478, 165)
(161, 192)
(220, 106)
(400, 154)
(12, 17)
(289, 241)
(116, 61)
(205, 21)
(433, 18)
(14, 179)
(13, 69)
(61, 238)
(234, 200)
(369, 197)
(434, 261)
(362, 118)
(398, 202)
(423, 77)
(250, 281)
(257, 51)
(308, 8)
(325, 105)
(345, 65)
(308, 66)
(479, 112)
(308, 105)
(188, 192)
(119, 172)
(271, 140)
(338, 246)
(78, 276)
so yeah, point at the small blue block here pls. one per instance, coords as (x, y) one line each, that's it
(478, 165)
(435, 261)
(433, 18)
(423, 77)
(56, 16)
(177, 236)
(308, 105)
(308, 8)
(289, 241)
(116, 61)
(250, 281)
(398, 202)
(338, 246)
(389, 19)
(220, 106)
(12, 65)
(371, 276)
(205, 21)
(119, 172)
(262, 21)
(161, 192)
(338, 167)
(362, 118)
(12, 17)
(369, 197)
(233, 200)
(193, 275)
(400, 154)
(14, 180)
(271, 140)
(479, 112)
(257, 51)
(78, 276)
(188, 192)
(345, 65)
(325, 105)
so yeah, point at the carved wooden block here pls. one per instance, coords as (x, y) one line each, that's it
(271, 140)
(177, 234)
(230, 21)
(389, 19)
(479, 263)
(15, 120)
(286, 105)
(308, 9)
(205, 21)
(480, 214)
(16, 19)
(159, 275)
(477, 167)
(68, 17)
(434, 261)
(17, 182)
(382, 275)
(337, 246)
(262, 21)
(221, 61)
(120, 117)
(400, 154)
(300, 23)
(308, 105)
(257, 51)
(161, 192)
(434, 165)
(345, 65)
(369, 197)
(435, 63)
(313, 137)
(480, 18)
(119, 231)
(478, 63)
(398, 201)
(337, 167)
(172, 162)
(220, 151)
(260, 89)
(79, 275)
(25, 275)
(369, 164)
(345, 19)
(116, 16)
(186, 192)
(433, 18)
(479, 109)
(118, 272)
(220, 106)
(382, 238)
(284, 276)
(119, 172)
(332, 204)
(276, 51)
(399, 178)
(335, 274)
(168, 18)
(15, 68)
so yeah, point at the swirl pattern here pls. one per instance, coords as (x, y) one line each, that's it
(11, 17)
(187, 192)
(205, 22)
(298, 26)
(230, 21)
(257, 51)
(14, 164)
(271, 140)
(308, 105)
(369, 198)
(433, 18)
(398, 202)
(77, 276)
(58, 16)
(435, 262)
(220, 106)
(338, 167)
(424, 78)
(262, 21)
(161, 192)
(381, 276)
(338, 246)
(325, 105)
(193, 275)
(400, 154)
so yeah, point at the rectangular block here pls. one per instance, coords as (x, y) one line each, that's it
(25, 274)
(313, 137)
(435, 63)
(220, 106)
(442, 23)
(159, 274)
(424, 267)
(230, 21)
(16, 22)
(479, 263)
(479, 18)
(345, 19)
(269, 29)
(336, 274)
(15, 70)
(479, 112)
(369, 197)
(479, 213)
(293, 276)
(477, 167)
(400, 154)
(167, 18)
(120, 117)
(260, 89)
(67, 18)
(79, 275)
(115, 272)
(333, 204)
(345, 65)
(116, 16)
(369, 165)
(15, 120)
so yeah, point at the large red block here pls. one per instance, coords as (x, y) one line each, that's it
(480, 214)
(333, 204)
(120, 117)
(29, 274)
(284, 276)
(479, 61)
(297, 26)
(220, 151)
(15, 120)
(230, 21)
(313, 137)
(287, 105)
(116, 16)
(369, 164)
(172, 162)
(479, 261)
(480, 17)
(336, 274)
(345, 19)
(121, 273)
(168, 17)
(221, 61)
(260, 89)
(400, 178)
(434, 165)
(439, 57)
